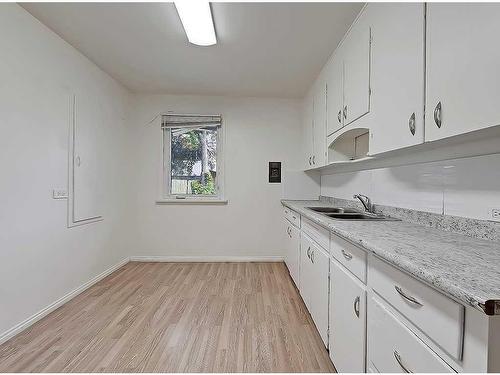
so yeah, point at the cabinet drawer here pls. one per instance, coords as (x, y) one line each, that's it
(436, 315)
(317, 233)
(393, 347)
(292, 216)
(350, 256)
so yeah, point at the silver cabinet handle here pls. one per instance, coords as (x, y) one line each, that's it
(437, 115)
(345, 112)
(314, 160)
(339, 116)
(310, 160)
(400, 362)
(407, 297)
(312, 256)
(411, 123)
(346, 255)
(78, 161)
(288, 231)
(294, 217)
(356, 306)
(308, 252)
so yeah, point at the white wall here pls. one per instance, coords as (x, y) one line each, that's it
(41, 260)
(257, 131)
(468, 187)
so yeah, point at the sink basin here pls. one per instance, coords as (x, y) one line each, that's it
(334, 210)
(359, 216)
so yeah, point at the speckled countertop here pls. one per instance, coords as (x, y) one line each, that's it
(462, 267)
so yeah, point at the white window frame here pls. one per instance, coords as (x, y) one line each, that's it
(166, 196)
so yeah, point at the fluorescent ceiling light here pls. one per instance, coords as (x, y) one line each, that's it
(196, 17)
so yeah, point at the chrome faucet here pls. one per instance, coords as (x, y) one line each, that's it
(366, 202)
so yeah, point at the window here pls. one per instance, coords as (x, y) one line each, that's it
(192, 157)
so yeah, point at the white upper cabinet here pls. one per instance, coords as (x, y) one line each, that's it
(463, 60)
(356, 48)
(397, 75)
(319, 124)
(307, 131)
(335, 92)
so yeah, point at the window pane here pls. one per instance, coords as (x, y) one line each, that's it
(194, 160)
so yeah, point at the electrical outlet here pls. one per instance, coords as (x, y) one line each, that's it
(59, 194)
(495, 214)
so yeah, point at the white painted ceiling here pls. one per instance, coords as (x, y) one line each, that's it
(264, 49)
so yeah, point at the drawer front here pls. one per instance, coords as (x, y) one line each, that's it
(439, 317)
(292, 216)
(351, 257)
(392, 347)
(317, 233)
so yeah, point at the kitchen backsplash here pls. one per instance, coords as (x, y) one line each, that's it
(456, 195)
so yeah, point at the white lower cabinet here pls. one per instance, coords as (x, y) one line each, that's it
(314, 270)
(394, 348)
(347, 320)
(375, 318)
(292, 250)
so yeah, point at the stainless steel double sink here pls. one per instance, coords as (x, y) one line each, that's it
(343, 213)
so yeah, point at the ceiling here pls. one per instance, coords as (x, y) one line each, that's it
(263, 49)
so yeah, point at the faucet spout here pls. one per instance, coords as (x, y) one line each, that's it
(365, 201)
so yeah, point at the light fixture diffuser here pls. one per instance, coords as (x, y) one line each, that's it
(196, 18)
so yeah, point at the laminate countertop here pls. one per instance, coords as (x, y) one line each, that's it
(465, 268)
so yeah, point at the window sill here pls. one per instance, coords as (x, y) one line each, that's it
(193, 201)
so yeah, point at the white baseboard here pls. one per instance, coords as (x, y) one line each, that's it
(61, 301)
(208, 258)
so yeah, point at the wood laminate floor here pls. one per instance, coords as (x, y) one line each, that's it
(176, 317)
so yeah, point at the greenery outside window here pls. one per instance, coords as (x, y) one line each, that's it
(192, 157)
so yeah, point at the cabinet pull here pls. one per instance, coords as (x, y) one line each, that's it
(407, 297)
(314, 159)
(345, 112)
(346, 255)
(294, 217)
(310, 160)
(400, 362)
(411, 123)
(312, 256)
(339, 116)
(356, 306)
(308, 252)
(288, 231)
(437, 115)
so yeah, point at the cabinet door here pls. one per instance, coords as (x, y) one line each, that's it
(357, 71)
(347, 320)
(335, 93)
(314, 269)
(306, 272)
(307, 131)
(288, 245)
(397, 75)
(319, 299)
(462, 68)
(294, 253)
(319, 140)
